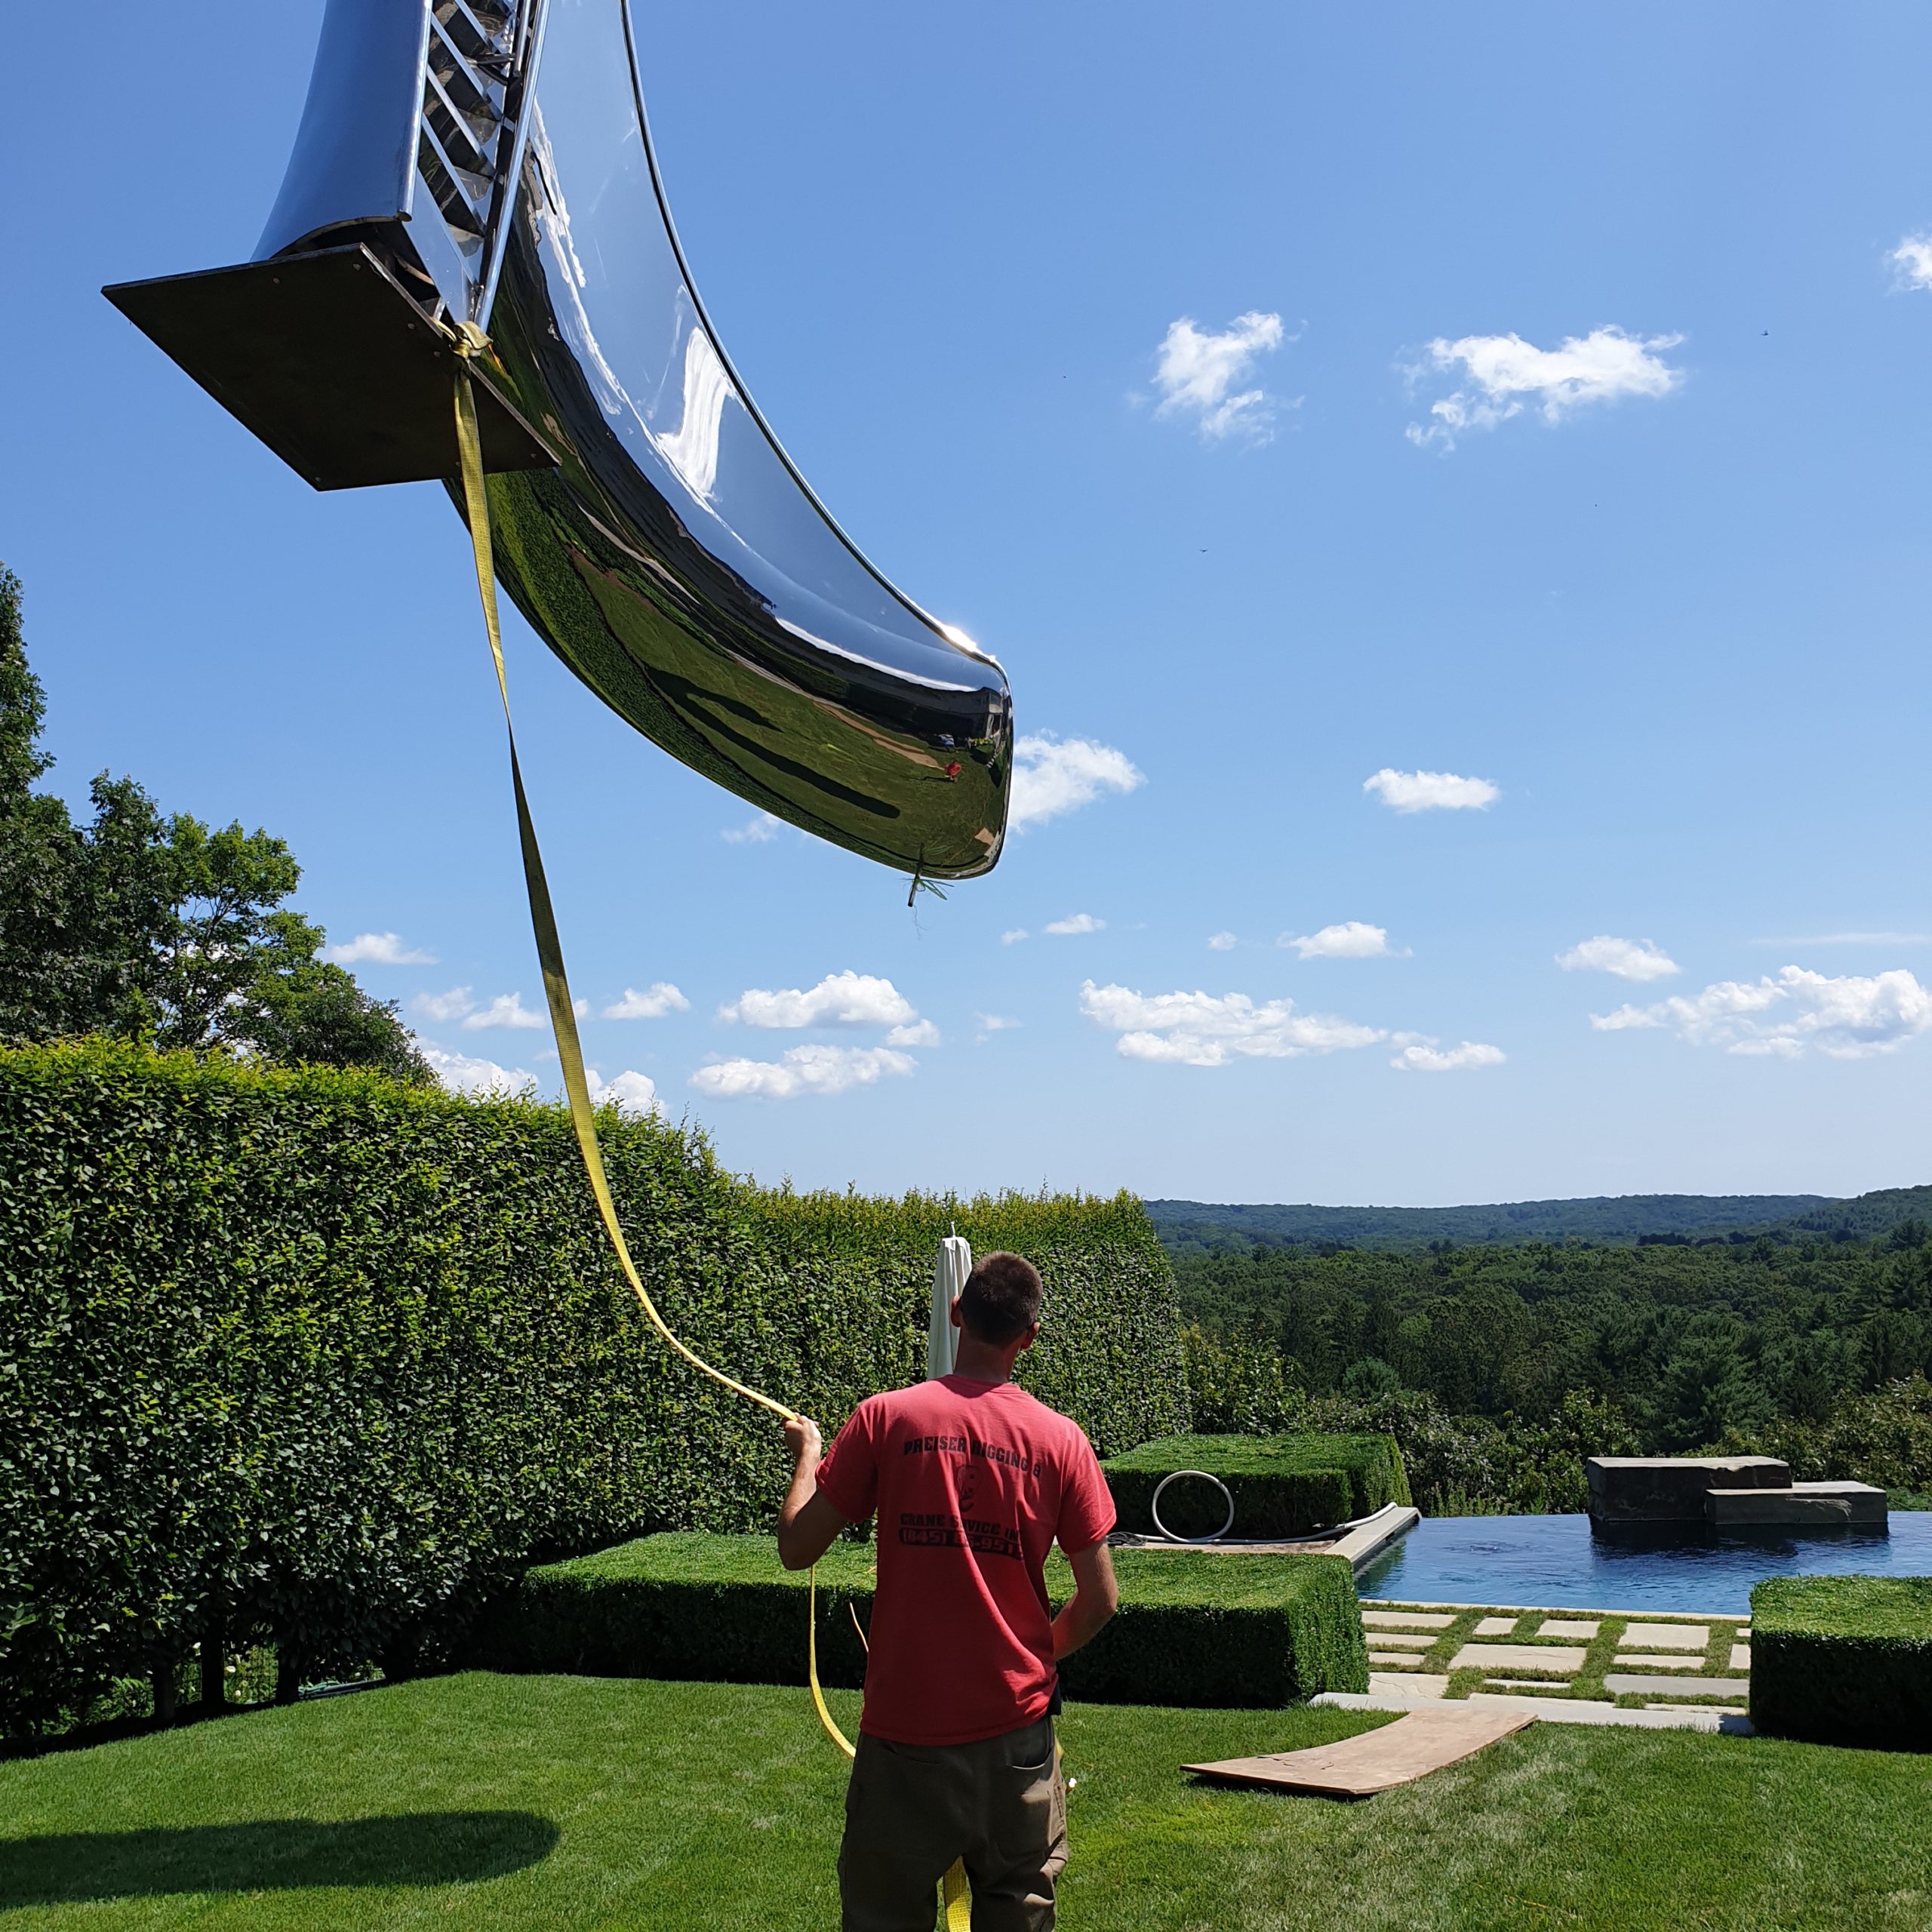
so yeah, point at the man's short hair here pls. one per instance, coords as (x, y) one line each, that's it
(1000, 1299)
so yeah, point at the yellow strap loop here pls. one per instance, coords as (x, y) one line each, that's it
(470, 341)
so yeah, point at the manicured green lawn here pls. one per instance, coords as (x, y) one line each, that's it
(555, 1804)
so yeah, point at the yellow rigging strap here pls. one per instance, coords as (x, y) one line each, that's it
(543, 920)
(470, 341)
(954, 1891)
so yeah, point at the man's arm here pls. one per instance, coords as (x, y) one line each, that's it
(807, 1523)
(1096, 1598)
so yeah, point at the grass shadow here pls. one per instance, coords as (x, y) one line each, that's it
(266, 1854)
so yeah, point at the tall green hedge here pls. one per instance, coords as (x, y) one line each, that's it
(317, 1359)
(1210, 1628)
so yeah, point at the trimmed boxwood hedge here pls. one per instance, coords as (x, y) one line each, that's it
(1207, 1628)
(317, 1359)
(1843, 1660)
(1280, 1485)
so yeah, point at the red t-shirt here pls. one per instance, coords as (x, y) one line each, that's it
(972, 1482)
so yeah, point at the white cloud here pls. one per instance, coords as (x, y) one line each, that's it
(919, 1033)
(1352, 939)
(1221, 942)
(1501, 373)
(658, 999)
(991, 1023)
(506, 1010)
(759, 830)
(1205, 1029)
(1628, 958)
(839, 999)
(1431, 791)
(1013, 936)
(630, 1093)
(1425, 1056)
(1074, 924)
(808, 1069)
(463, 1074)
(377, 949)
(1849, 1017)
(1911, 260)
(1052, 776)
(1198, 369)
(441, 1008)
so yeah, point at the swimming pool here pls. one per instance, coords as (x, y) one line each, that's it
(1538, 1560)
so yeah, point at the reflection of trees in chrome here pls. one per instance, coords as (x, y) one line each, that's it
(693, 655)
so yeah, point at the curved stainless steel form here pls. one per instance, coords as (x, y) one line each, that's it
(674, 558)
(489, 161)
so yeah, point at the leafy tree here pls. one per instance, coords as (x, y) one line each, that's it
(1707, 1389)
(1369, 1377)
(155, 927)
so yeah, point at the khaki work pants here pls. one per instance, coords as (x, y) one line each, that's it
(912, 1809)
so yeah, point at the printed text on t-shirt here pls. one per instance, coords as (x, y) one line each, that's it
(937, 1529)
(963, 1445)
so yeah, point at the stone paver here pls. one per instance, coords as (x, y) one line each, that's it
(1560, 1658)
(1418, 1684)
(1626, 1684)
(1559, 1710)
(1693, 1707)
(1496, 1626)
(1403, 1640)
(1406, 1620)
(1741, 1656)
(1512, 1683)
(1666, 1637)
(1584, 1627)
(1394, 1660)
(1642, 1662)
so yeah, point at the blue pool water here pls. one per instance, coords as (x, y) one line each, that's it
(1546, 1561)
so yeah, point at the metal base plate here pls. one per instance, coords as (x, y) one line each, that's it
(327, 358)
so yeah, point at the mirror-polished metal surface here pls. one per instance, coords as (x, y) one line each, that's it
(675, 559)
(489, 161)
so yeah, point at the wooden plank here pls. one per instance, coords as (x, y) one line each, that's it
(1425, 1740)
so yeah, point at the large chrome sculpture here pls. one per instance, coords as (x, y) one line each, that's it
(488, 162)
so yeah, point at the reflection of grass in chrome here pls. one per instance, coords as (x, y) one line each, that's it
(787, 749)
(695, 1807)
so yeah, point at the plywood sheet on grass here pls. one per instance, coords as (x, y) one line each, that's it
(1427, 1740)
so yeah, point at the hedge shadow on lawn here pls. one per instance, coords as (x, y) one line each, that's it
(271, 1854)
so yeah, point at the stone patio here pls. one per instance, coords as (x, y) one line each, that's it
(1601, 1666)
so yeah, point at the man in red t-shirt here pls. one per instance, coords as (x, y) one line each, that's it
(972, 1481)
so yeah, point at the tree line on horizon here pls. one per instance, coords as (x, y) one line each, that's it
(1198, 1227)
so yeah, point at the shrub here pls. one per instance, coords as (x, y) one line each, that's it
(1844, 1660)
(1280, 1485)
(1203, 1629)
(317, 1357)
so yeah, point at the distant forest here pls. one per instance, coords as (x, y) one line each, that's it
(1188, 1227)
(1677, 1327)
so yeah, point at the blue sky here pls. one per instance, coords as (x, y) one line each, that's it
(1288, 396)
